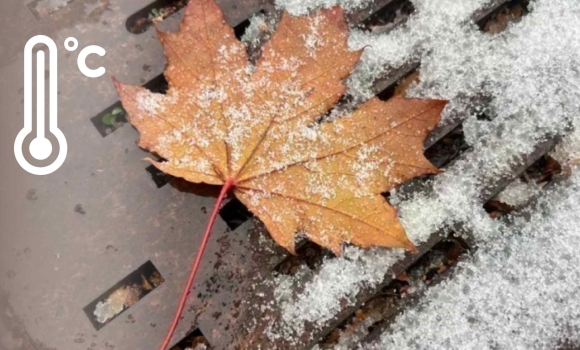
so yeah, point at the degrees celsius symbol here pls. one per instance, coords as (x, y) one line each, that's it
(40, 147)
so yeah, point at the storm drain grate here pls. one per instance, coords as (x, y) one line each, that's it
(227, 310)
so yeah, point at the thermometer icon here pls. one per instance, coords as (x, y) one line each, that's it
(40, 148)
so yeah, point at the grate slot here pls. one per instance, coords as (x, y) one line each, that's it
(393, 14)
(159, 178)
(498, 20)
(124, 294)
(158, 11)
(308, 255)
(44, 8)
(154, 13)
(114, 116)
(234, 213)
(194, 340)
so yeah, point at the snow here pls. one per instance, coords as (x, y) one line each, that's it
(434, 27)
(313, 39)
(254, 29)
(301, 7)
(258, 31)
(153, 103)
(529, 73)
(337, 279)
(518, 291)
(518, 193)
(567, 152)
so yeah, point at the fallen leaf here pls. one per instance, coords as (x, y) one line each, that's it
(258, 130)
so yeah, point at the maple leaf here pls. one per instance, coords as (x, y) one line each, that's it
(257, 130)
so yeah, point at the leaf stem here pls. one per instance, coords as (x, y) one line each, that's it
(225, 189)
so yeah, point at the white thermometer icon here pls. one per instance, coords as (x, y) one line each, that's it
(40, 148)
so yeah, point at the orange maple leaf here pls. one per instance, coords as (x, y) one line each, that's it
(258, 130)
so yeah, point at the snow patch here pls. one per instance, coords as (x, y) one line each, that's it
(529, 73)
(518, 193)
(338, 281)
(518, 291)
(303, 7)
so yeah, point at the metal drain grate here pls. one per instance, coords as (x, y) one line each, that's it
(54, 261)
